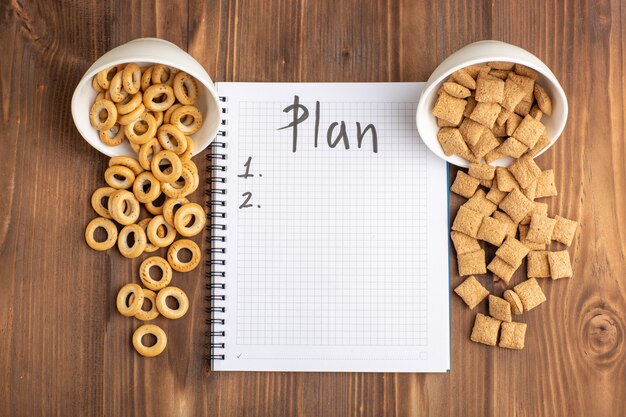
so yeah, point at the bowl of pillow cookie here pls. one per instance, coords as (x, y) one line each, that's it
(491, 101)
(134, 63)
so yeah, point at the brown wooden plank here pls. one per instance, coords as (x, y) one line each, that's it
(66, 351)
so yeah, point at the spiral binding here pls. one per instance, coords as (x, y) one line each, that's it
(216, 228)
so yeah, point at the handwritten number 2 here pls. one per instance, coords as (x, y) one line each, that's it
(245, 204)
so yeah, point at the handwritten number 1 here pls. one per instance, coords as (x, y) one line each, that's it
(245, 204)
(247, 173)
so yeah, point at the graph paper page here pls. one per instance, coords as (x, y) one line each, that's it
(336, 240)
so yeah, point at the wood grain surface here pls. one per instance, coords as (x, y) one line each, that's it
(64, 350)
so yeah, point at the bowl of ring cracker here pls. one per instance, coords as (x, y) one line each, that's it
(151, 108)
(140, 90)
(491, 101)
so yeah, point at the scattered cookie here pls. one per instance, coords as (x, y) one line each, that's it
(516, 205)
(545, 184)
(538, 265)
(540, 229)
(564, 230)
(479, 203)
(472, 263)
(492, 231)
(560, 266)
(501, 269)
(516, 304)
(500, 309)
(512, 252)
(464, 185)
(464, 243)
(467, 221)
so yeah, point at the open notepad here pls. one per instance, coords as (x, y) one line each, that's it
(329, 247)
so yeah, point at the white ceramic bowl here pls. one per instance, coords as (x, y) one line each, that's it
(476, 53)
(147, 51)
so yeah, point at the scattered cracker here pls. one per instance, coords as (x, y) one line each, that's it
(530, 293)
(471, 131)
(469, 107)
(513, 335)
(492, 231)
(538, 265)
(538, 208)
(485, 330)
(560, 266)
(513, 95)
(527, 84)
(546, 186)
(516, 205)
(472, 263)
(464, 185)
(471, 291)
(486, 143)
(523, 108)
(492, 155)
(564, 230)
(495, 195)
(449, 108)
(486, 114)
(530, 191)
(540, 230)
(525, 170)
(476, 69)
(464, 243)
(503, 117)
(482, 171)
(506, 180)
(529, 131)
(464, 78)
(512, 123)
(443, 123)
(456, 90)
(516, 304)
(480, 204)
(501, 65)
(501, 74)
(499, 131)
(501, 269)
(512, 251)
(523, 231)
(486, 183)
(467, 221)
(526, 71)
(451, 141)
(509, 225)
(540, 145)
(543, 100)
(489, 89)
(500, 309)
(512, 147)
(535, 112)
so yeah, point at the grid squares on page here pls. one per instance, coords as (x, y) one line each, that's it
(336, 252)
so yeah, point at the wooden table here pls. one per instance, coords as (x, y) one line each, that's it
(65, 351)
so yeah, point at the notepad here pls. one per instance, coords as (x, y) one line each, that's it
(329, 225)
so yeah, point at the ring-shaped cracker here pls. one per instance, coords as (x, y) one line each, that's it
(155, 262)
(154, 350)
(131, 78)
(158, 116)
(116, 91)
(176, 263)
(132, 116)
(134, 147)
(162, 74)
(165, 310)
(190, 212)
(129, 300)
(130, 103)
(124, 207)
(188, 154)
(183, 113)
(153, 313)
(95, 85)
(105, 76)
(96, 201)
(139, 244)
(146, 78)
(168, 113)
(128, 162)
(112, 173)
(176, 190)
(147, 151)
(170, 206)
(185, 88)
(155, 91)
(113, 136)
(156, 225)
(143, 223)
(130, 130)
(175, 165)
(156, 207)
(154, 190)
(111, 115)
(172, 139)
(109, 228)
